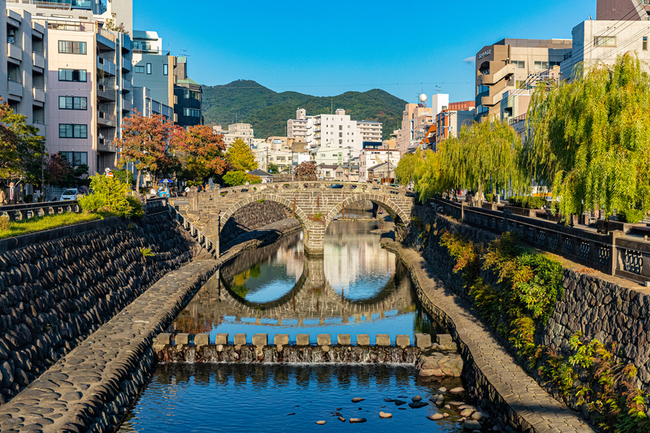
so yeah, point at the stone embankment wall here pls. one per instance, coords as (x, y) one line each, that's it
(251, 217)
(55, 293)
(601, 307)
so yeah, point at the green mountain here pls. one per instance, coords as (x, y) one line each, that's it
(268, 111)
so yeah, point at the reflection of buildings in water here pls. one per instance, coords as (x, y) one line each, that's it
(352, 253)
(292, 258)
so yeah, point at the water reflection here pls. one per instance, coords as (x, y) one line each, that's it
(357, 288)
(241, 398)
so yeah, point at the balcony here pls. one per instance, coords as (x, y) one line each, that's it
(106, 93)
(15, 89)
(39, 94)
(38, 61)
(105, 39)
(106, 146)
(127, 105)
(106, 66)
(126, 65)
(127, 86)
(489, 79)
(106, 119)
(14, 52)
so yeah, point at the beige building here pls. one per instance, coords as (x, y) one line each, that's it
(414, 117)
(370, 130)
(512, 65)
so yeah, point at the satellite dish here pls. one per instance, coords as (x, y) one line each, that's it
(423, 98)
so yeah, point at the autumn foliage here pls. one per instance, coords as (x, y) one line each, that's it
(200, 151)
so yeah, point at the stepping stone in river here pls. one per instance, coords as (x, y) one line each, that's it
(357, 399)
(321, 422)
(384, 415)
(418, 404)
(389, 400)
(357, 420)
(458, 390)
(417, 398)
(399, 402)
(435, 417)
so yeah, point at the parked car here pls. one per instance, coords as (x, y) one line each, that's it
(69, 194)
(337, 186)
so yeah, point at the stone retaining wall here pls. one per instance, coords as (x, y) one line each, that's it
(251, 217)
(55, 293)
(600, 306)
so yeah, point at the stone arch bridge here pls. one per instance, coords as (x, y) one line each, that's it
(314, 204)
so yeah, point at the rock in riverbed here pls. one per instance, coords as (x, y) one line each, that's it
(435, 417)
(385, 415)
(357, 420)
(418, 404)
(321, 422)
(357, 399)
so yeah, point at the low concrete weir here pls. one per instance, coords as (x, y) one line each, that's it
(198, 349)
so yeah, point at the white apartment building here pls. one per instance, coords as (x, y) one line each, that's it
(23, 65)
(373, 157)
(602, 41)
(334, 155)
(244, 131)
(336, 130)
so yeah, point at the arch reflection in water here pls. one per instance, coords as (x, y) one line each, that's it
(278, 290)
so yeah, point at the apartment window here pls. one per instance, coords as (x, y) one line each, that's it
(76, 158)
(188, 94)
(541, 65)
(605, 41)
(165, 69)
(11, 35)
(645, 43)
(190, 112)
(519, 64)
(78, 75)
(340, 127)
(73, 103)
(148, 68)
(67, 130)
(340, 141)
(340, 134)
(72, 47)
(139, 69)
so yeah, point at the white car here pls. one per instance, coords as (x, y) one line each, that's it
(69, 194)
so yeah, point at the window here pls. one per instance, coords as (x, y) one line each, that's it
(340, 134)
(72, 47)
(188, 94)
(139, 69)
(340, 127)
(78, 75)
(541, 65)
(148, 68)
(519, 64)
(76, 158)
(67, 130)
(190, 112)
(165, 69)
(605, 41)
(73, 103)
(340, 141)
(645, 43)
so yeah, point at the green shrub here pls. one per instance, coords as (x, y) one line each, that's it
(235, 178)
(146, 252)
(528, 202)
(632, 216)
(91, 203)
(4, 222)
(489, 198)
(136, 210)
(109, 194)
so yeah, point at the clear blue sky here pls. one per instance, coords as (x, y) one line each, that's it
(327, 48)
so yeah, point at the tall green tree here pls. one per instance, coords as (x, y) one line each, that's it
(22, 149)
(589, 139)
(408, 166)
(241, 156)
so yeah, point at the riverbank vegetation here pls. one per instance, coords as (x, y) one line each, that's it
(587, 141)
(515, 290)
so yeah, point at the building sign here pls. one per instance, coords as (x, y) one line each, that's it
(485, 53)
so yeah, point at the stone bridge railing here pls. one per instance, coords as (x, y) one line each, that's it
(623, 250)
(314, 203)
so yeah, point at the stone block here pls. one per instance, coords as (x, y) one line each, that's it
(383, 340)
(423, 341)
(164, 339)
(363, 340)
(344, 339)
(402, 341)
(221, 339)
(182, 339)
(323, 340)
(240, 339)
(281, 339)
(302, 340)
(260, 340)
(446, 341)
(201, 340)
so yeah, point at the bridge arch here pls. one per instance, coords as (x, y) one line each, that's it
(385, 203)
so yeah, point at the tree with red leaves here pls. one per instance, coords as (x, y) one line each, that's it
(58, 170)
(306, 171)
(201, 152)
(146, 143)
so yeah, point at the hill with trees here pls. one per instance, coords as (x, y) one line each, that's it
(268, 111)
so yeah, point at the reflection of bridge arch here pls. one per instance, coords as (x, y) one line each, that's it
(315, 204)
(313, 298)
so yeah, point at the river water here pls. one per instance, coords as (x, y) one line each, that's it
(356, 288)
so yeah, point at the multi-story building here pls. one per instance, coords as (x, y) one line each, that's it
(89, 91)
(189, 95)
(23, 65)
(449, 122)
(298, 127)
(623, 10)
(147, 106)
(513, 64)
(373, 157)
(370, 130)
(153, 78)
(244, 131)
(603, 41)
(414, 117)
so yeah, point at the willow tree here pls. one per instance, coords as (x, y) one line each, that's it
(408, 166)
(589, 139)
(428, 177)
